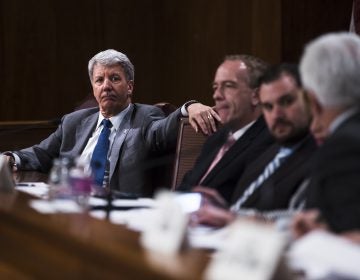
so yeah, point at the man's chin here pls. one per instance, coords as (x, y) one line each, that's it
(291, 138)
(225, 118)
(108, 102)
(110, 108)
(281, 137)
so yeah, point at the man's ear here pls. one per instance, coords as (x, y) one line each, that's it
(130, 87)
(255, 100)
(315, 105)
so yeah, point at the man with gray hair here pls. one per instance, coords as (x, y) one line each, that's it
(119, 138)
(330, 68)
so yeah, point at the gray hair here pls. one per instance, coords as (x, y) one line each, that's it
(109, 58)
(330, 67)
(256, 67)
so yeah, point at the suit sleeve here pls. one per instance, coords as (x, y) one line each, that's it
(39, 157)
(336, 189)
(161, 133)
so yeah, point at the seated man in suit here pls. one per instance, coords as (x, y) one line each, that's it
(330, 67)
(119, 138)
(244, 135)
(270, 181)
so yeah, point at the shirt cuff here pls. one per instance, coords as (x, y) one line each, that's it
(17, 159)
(15, 156)
(184, 107)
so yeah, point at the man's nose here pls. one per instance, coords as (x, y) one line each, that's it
(107, 84)
(278, 112)
(218, 95)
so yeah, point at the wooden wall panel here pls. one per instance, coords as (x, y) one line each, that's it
(45, 48)
(307, 19)
(175, 45)
(266, 35)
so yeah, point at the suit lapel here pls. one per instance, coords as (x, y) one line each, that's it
(254, 170)
(84, 131)
(295, 162)
(122, 132)
(241, 144)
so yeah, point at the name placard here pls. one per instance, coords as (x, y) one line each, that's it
(251, 251)
(166, 232)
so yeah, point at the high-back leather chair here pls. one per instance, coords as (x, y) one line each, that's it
(189, 145)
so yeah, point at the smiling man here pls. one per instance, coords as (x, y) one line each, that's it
(119, 138)
(244, 135)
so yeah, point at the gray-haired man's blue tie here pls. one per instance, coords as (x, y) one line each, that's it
(99, 156)
(268, 171)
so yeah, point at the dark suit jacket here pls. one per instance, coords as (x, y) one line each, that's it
(226, 173)
(143, 133)
(335, 184)
(276, 192)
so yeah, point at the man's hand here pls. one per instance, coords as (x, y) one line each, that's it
(11, 162)
(305, 222)
(213, 210)
(211, 196)
(212, 216)
(202, 117)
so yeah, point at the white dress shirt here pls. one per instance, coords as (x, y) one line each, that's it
(90, 146)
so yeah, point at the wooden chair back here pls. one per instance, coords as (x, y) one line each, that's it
(188, 148)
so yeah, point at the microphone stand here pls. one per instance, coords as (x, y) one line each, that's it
(109, 199)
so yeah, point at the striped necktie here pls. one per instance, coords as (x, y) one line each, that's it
(268, 171)
(99, 156)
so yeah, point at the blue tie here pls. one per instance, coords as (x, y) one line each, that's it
(268, 171)
(99, 156)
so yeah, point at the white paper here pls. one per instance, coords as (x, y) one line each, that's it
(96, 201)
(137, 219)
(140, 202)
(166, 233)
(189, 202)
(207, 237)
(98, 214)
(38, 189)
(56, 206)
(320, 254)
(250, 251)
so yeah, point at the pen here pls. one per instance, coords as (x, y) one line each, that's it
(25, 185)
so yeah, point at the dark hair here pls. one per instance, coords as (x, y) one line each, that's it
(274, 72)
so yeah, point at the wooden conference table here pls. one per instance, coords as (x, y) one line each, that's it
(77, 246)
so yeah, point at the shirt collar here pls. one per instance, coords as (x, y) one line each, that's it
(237, 134)
(115, 120)
(342, 118)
